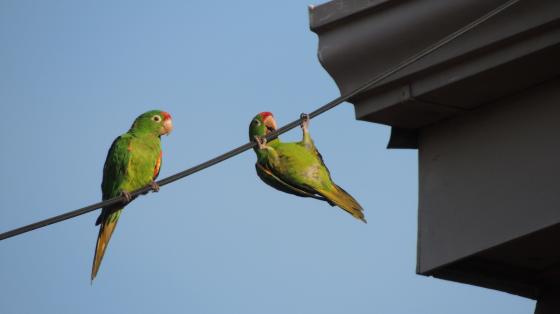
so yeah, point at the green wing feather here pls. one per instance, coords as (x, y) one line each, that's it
(114, 173)
(271, 179)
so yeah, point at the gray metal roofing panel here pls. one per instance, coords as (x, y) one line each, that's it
(488, 194)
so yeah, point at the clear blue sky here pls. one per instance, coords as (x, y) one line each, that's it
(74, 75)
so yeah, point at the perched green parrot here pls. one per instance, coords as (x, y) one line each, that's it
(133, 161)
(297, 168)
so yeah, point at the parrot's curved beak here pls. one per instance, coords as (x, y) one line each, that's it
(270, 124)
(167, 125)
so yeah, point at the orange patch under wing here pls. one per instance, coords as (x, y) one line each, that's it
(158, 165)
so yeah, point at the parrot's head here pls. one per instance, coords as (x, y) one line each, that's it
(155, 122)
(261, 125)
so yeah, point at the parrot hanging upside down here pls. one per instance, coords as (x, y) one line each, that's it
(133, 161)
(297, 168)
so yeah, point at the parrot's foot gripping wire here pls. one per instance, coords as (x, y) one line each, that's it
(154, 186)
(304, 117)
(261, 142)
(127, 196)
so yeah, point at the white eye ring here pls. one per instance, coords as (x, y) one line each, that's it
(257, 122)
(156, 118)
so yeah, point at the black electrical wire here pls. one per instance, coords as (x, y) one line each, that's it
(272, 135)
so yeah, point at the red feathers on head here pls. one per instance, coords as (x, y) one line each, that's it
(166, 116)
(265, 114)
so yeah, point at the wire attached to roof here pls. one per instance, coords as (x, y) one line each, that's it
(236, 151)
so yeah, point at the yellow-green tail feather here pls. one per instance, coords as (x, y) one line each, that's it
(105, 231)
(342, 199)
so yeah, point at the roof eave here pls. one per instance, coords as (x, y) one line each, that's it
(361, 39)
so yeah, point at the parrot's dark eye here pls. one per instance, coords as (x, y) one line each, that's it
(156, 118)
(256, 122)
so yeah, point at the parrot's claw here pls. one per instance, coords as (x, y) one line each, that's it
(261, 141)
(304, 120)
(127, 196)
(154, 186)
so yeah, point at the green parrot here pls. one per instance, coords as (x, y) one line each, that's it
(133, 161)
(297, 168)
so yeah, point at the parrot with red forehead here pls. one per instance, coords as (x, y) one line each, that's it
(297, 168)
(133, 161)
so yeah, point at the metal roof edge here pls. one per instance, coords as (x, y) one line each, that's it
(361, 39)
(326, 14)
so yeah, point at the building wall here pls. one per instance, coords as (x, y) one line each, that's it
(489, 176)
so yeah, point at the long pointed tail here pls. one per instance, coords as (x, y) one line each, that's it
(345, 201)
(105, 232)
